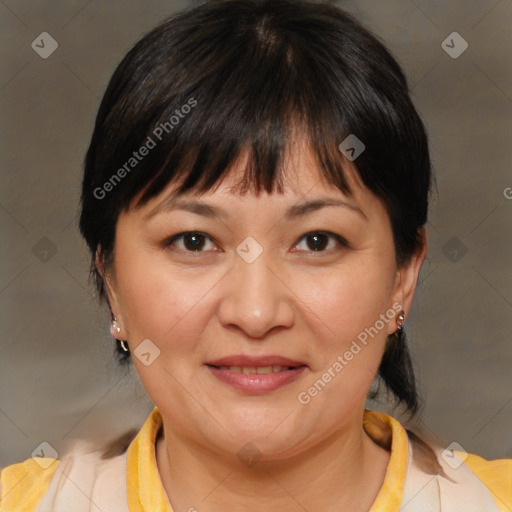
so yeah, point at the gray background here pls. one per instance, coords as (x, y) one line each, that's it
(58, 380)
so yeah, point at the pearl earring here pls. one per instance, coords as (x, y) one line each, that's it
(115, 326)
(400, 320)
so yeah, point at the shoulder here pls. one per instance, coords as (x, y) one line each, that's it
(23, 485)
(456, 480)
(83, 475)
(441, 479)
(75, 481)
(496, 475)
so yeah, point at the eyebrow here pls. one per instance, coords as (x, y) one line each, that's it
(206, 210)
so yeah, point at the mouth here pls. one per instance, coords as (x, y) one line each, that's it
(256, 375)
(259, 370)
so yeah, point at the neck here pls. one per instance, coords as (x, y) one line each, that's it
(345, 471)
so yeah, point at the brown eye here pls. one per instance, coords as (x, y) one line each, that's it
(193, 241)
(320, 241)
(317, 242)
(190, 241)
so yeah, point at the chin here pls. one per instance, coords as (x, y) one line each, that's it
(273, 432)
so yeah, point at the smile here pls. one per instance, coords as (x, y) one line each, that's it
(256, 380)
(260, 370)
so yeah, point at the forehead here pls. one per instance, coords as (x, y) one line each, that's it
(305, 190)
(299, 173)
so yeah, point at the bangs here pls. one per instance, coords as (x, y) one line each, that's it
(265, 150)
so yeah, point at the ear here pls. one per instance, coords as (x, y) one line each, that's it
(109, 282)
(407, 276)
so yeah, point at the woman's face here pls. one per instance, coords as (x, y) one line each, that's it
(242, 331)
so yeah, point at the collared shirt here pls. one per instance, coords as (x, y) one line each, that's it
(130, 482)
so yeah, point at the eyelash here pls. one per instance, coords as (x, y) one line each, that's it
(341, 241)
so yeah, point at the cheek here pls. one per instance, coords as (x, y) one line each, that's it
(349, 340)
(350, 299)
(162, 303)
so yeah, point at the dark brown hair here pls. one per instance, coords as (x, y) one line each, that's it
(230, 75)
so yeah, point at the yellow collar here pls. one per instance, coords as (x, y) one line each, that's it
(146, 492)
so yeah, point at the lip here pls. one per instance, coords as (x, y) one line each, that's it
(256, 383)
(254, 361)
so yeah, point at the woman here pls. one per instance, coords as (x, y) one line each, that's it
(254, 200)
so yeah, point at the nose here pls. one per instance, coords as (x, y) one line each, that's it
(256, 299)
